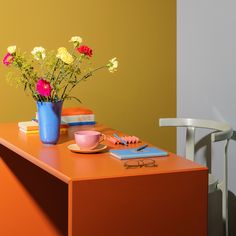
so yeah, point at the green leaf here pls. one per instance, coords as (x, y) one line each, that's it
(71, 97)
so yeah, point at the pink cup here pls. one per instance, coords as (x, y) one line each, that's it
(88, 139)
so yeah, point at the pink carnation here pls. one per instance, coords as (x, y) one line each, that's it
(85, 50)
(43, 87)
(8, 59)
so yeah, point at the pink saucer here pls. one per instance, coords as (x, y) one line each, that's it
(75, 148)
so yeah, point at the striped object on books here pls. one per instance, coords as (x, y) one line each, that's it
(78, 116)
(28, 125)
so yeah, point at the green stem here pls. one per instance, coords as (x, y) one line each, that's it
(89, 74)
(63, 93)
(54, 68)
(83, 78)
(24, 74)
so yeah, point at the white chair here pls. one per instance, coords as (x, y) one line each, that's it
(221, 132)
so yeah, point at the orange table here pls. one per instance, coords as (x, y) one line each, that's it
(48, 190)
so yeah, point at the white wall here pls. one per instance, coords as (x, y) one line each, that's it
(206, 69)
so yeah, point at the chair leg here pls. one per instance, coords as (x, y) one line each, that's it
(189, 147)
(224, 188)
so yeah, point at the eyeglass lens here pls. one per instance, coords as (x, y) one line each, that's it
(140, 163)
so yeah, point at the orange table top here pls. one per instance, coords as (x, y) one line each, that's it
(59, 161)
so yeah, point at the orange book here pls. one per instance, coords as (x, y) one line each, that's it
(72, 111)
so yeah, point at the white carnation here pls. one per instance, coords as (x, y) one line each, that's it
(76, 39)
(38, 53)
(11, 49)
(112, 65)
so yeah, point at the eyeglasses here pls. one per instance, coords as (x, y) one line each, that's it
(140, 163)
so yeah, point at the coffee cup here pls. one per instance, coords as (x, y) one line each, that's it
(88, 139)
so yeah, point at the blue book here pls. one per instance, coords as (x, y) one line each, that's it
(82, 123)
(130, 153)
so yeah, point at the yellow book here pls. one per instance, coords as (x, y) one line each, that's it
(62, 131)
(26, 126)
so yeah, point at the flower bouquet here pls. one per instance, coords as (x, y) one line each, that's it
(50, 76)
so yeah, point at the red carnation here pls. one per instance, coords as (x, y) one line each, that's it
(43, 87)
(85, 50)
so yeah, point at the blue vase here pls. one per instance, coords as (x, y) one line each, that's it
(49, 118)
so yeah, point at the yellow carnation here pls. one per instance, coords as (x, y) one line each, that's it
(64, 55)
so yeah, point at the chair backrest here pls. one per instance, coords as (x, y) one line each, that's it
(222, 131)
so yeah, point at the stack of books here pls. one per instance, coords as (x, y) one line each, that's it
(71, 116)
(32, 127)
(78, 116)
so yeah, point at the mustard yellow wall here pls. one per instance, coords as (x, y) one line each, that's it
(140, 33)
